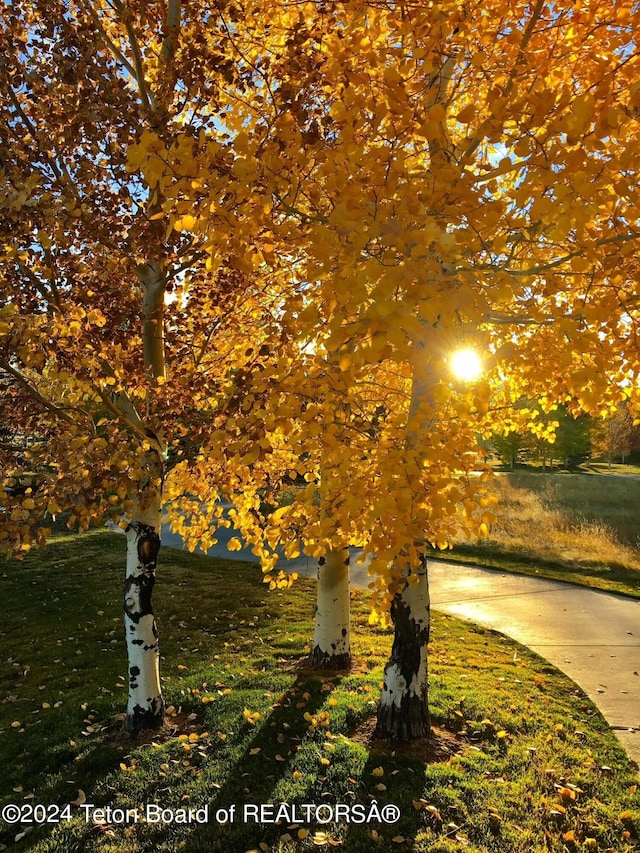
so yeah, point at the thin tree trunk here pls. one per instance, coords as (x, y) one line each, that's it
(403, 710)
(145, 708)
(331, 641)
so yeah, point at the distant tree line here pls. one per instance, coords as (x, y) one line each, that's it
(577, 439)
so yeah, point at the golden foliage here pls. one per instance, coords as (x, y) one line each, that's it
(249, 241)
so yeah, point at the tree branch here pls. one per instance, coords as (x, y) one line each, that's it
(122, 59)
(526, 37)
(136, 428)
(616, 238)
(36, 395)
(173, 26)
(53, 298)
(138, 73)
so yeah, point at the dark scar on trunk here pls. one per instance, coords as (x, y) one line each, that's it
(148, 546)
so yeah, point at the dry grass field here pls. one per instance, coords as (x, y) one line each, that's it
(578, 527)
(569, 516)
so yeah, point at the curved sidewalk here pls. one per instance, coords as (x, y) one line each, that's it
(594, 637)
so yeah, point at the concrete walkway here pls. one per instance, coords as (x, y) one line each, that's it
(594, 637)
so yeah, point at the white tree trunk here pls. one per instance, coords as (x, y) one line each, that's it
(331, 641)
(145, 709)
(403, 710)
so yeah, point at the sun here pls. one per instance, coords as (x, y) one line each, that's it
(466, 364)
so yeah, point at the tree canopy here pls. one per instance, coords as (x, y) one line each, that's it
(346, 192)
(241, 242)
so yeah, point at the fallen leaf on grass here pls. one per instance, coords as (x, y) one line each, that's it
(567, 793)
(81, 799)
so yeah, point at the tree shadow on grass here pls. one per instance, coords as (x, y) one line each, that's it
(352, 780)
(393, 779)
(268, 756)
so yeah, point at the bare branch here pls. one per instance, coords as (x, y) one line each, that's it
(509, 320)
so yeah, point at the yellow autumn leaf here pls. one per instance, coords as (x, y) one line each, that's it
(567, 793)
(467, 114)
(436, 113)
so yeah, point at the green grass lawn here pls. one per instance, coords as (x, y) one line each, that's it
(520, 760)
